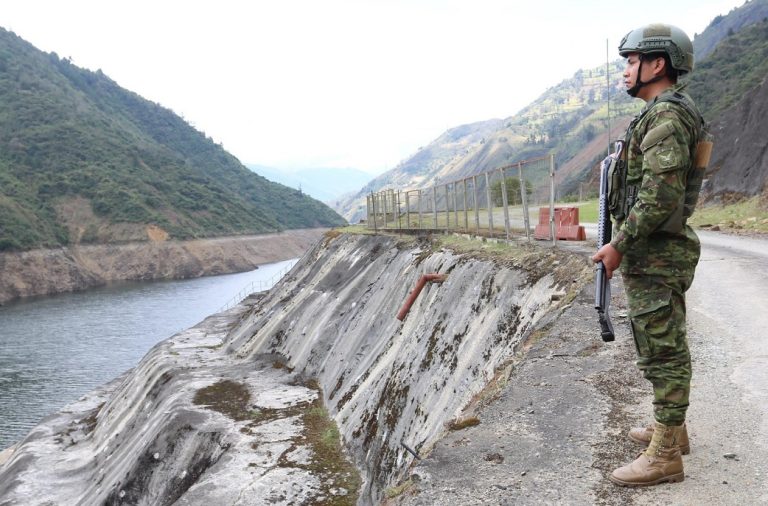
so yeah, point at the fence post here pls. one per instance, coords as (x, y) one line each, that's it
(397, 209)
(408, 209)
(434, 207)
(552, 198)
(466, 217)
(455, 207)
(474, 202)
(420, 210)
(373, 205)
(504, 202)
(367, 211)
(489, 203)
(524, 200)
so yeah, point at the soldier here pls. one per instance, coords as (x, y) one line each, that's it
(654, 248)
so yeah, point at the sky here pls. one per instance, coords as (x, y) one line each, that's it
(336, 83)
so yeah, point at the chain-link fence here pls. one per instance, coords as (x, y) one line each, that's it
(498, 202)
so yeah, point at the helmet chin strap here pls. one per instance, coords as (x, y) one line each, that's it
(634, 90)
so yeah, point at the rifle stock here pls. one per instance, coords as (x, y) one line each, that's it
(604, 229)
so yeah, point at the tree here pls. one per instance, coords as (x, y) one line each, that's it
(513, 191)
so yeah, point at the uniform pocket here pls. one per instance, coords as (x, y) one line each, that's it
(661, 150)
(650, 316)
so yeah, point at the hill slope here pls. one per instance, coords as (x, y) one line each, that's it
(571, 120)
(723, 26)
(84, 160)
(564, 119)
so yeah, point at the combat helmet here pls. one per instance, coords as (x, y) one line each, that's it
(661, 38)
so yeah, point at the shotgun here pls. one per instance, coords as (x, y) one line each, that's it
(609, 165)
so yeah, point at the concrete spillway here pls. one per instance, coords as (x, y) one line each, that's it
(239, 409)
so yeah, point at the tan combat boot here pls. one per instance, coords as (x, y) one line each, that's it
(659, 463)
(643, 436)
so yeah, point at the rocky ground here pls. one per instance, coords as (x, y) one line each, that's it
(558, 428)
(548, 429)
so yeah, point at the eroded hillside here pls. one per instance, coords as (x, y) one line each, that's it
(227, 412)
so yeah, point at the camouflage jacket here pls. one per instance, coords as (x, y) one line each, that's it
(660, 146)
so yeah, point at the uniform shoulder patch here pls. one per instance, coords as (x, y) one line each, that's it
(661, 150)
(655, 135)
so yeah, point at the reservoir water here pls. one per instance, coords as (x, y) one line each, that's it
(55, 349)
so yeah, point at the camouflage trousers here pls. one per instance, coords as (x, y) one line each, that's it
(657, 315)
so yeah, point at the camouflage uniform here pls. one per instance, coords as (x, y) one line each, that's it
(660, 250)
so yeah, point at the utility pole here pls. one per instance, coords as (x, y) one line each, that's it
(608, 92)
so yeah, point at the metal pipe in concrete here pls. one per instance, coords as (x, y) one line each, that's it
(436, 278)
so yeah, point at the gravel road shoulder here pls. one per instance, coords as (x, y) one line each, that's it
(559, 428)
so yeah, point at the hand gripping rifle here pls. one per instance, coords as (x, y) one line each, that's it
(602, 283)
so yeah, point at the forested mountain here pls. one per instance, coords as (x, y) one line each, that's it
(725, 25)
(737, 65)
(84, 160)
(732, 87)
(571, 120)
(562, 120)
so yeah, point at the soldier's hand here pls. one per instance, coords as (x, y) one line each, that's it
(610, 257)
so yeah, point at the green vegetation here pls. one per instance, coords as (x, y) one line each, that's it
(571, 114)
(513, 191)
(67, 133)
(738, 64)
(588, 211)
(747, 216)
(321, 435)
(723, 26)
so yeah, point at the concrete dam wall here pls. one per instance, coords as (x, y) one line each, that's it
(248, 407)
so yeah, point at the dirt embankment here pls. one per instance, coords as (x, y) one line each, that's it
(50, 271)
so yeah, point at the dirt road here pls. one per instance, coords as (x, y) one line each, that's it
(558, 428)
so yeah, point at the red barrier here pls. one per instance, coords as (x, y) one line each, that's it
(566, 224)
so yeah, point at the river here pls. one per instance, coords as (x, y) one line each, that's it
(55, 349)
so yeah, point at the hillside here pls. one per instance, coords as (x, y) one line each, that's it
(722, 26)
(83, 160)
(730, 87)
(739, 165)
(739, 63)
(570, 119)
(562, 120)
(424, 168)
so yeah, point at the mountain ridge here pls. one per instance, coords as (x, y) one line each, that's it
(71, 135)
(566, 118)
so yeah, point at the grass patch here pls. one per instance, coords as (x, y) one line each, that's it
(393, 492)
(463, 423)
(748, 215)
(497, 249)
(355, 229)
(588, 211)
(339, 477)
(227, 397)
(329, 461)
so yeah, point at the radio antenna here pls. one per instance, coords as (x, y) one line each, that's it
(608, 92)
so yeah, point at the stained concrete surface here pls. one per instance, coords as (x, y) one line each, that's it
(552, 422)
(559, 428)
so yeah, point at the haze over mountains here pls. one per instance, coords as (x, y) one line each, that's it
(83, 160)
(323, 184)
(571, 120)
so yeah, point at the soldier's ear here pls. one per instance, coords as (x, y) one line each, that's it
(659, 66)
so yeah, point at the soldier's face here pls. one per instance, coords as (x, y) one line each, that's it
(631, 69)
(634, 71)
